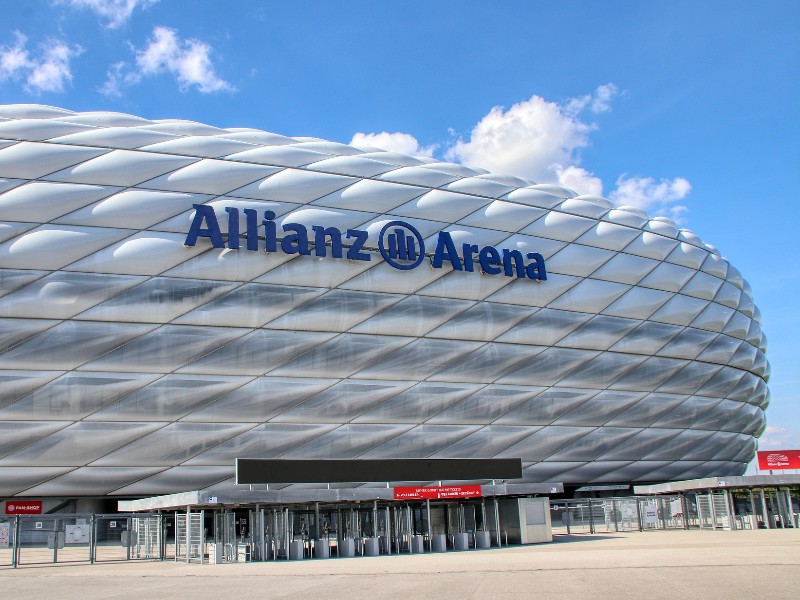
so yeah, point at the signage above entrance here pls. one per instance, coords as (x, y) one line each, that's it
(437, 493)
(773, 460)
(24, 507)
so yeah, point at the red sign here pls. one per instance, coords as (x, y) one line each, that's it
(778, 459)
(24, 507)
(437, 493)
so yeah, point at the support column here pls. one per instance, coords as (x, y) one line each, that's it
(497, 521)
(767, 523)
(430, 527)
(712, 509)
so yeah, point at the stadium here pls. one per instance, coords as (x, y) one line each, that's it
(175, 296)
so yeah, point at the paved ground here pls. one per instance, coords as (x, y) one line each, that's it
(641, 566)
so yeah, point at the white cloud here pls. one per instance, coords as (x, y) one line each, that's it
(579, 180)
(776, 438)
(657, 198)
(404, 143)
(188, 60)
(48, 71)
(114, 12)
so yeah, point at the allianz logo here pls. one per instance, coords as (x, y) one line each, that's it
(399, 243)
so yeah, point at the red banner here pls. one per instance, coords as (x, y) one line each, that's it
(769, 460)
(24, 507)
(437, 493)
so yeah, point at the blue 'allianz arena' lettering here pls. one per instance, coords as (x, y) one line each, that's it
(399, 243)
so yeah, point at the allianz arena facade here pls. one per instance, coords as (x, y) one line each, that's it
(373, 305)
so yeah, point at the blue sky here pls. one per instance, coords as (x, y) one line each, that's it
(687, 109)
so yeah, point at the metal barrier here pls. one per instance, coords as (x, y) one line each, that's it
(79, 538)
(629, 513)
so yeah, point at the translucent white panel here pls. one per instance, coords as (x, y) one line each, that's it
(40, 202)
(342, 356)
(250, 305)
(760, 364)
(688, 255)
(608, 368)
(647, 410)
(484, 321)
(181, 222)
(639, 470)
(419, 359)
(486, 442)
(14, 480)
(61, 295)
(177, 479)
(722, 383)
(649, 375)
(210, 176)
(32, 111)
(688, 412)
(79, 443)
(385, 278)
(687, 344)
(315, 271)
(745, 388)
(487, 363)
(470, 235)
(37, 129)
(729, 295)
(667, 277)
(421, 442)
(348, 441)
(737, 326)
(211, 147)
(745, 357)
(329, 147)
(441, 205)
(600, 333)
(646, 339)
(269, 440)
(662, 226)
(51, 247)
(723, 413)
(75, 395)
(8, 184)
(372, 195)
(560, 226)
(482, 186)
(170, 445)
(419, 403)
(342, 402)
(590, 295)
(102, 118)
(608, 235)
(426, 227)
(734, 277)
(169, 398)
(228, 265)
(115, 137)
(626, 268)
(165, 349)
(549, 367)
(30, 160)
(702, 285)
(578, 260)
(529, 293)
(593, 207)
(534, 197)
(679, 446)
(746, 305)
(341, 219)
(474, 286)
(544, 442)
(420, 176)
(136, 209)
(487, 404)
(395, 158)
(638, 303)
(13, 331)
(600, 408)
(256, 136)
(252, 354)
(70, 344)
(594, 444)
(182, 127)
(643, 443)
(680, 310)
(18, 384)
(545, 327)
(651, 245)
(145, 253)
(715, 265)
(15, 435)
(337, 310)
(14, 279)
(556, 190)
(713, 318)
(121, 167)
(746, 419)
(625, 215)
(689, 379)
(352, 165)
(413, 316)
(92, 481)
(284, 156)
(10, 230)
(549, 471)
(294, 185)
(502, 215)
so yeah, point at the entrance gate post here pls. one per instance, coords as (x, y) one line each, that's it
(767, 524)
